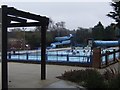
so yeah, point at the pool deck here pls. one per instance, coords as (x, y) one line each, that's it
(22, 75)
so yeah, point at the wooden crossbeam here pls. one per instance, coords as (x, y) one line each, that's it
(24, 24)
(10, 18)
(15, 12)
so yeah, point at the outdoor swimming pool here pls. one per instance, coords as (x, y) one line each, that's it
(78, 55)
(64, 55)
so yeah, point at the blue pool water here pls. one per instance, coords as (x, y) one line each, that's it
(59, 56)
(67, 55)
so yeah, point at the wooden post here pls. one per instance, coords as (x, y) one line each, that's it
(106, 58)
(119, 47)
(96, 61)
(46, 56)
(27, 56)
(114, 55)
(119, 52)
(4, 49)
(67, 58)
(9, 55)
(43, 52)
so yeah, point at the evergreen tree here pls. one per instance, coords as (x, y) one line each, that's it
(116, 13)
(82, 35)
(98, 32)
(116, 16)
(109, 33)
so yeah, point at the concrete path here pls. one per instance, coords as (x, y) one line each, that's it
(65, 84)
(29, 75)
(0, 77)
(22, 75)
(61, 84)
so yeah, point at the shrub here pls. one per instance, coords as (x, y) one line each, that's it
(110, 73)
(115, 82)
(112, 78)
(94, 79)
(73, 75)
(89, 78)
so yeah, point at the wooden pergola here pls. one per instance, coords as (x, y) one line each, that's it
(10, 14)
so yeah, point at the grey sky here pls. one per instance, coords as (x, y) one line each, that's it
(75, 14)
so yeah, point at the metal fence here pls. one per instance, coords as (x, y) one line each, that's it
(50, 57)
(110, 57)
(107, 57)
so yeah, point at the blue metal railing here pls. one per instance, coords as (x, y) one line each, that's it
(110, 57)
(57, 57)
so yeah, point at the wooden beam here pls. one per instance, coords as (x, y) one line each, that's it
(4, 49)
(43, 52)
(17, 19)
(24, 24)
(15, 12)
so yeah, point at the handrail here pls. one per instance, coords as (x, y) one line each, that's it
(104, 54)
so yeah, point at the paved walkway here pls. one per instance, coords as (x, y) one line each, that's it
(0, 76)
(29, 75)
(22, 75)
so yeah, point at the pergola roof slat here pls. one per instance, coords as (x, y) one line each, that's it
(24, 24)
(15, 12)
(17, 19)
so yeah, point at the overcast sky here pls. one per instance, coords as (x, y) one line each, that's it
(75, 14)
